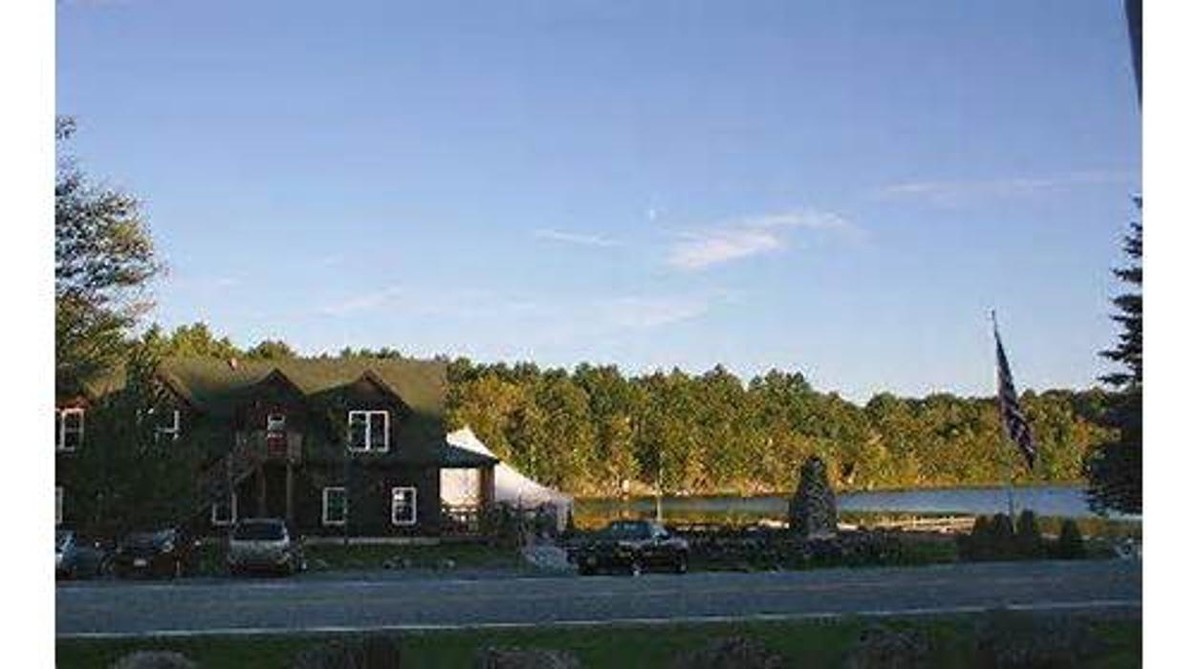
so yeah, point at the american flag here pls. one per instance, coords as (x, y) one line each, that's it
(1010, 410)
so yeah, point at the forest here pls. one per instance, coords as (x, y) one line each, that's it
(595, 431)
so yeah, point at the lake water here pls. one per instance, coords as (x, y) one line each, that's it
(1048, 500)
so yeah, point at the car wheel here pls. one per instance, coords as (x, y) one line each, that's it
(681, 565)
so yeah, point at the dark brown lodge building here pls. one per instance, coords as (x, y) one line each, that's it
(335, 446)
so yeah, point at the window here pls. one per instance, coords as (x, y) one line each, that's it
(276, 421)
(168, 429)
(368, 431)
(68, 429)
(224, 513)
(58, 504)
(333, 506)
(404, 506)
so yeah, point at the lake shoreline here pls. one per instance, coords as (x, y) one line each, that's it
(1055, 500)
(1077, 485)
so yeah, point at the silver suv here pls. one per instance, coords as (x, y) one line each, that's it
(264, 544)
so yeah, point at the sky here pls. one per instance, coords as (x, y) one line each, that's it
(841, 189)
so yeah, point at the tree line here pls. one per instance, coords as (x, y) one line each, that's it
(595, 431)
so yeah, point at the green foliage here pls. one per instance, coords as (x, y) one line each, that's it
(271, 349)
(1114, 470)
(955, 642)
(189, 341)
(103, 258)
(1070, 542)
(994, 539)
(1128, 351)
(126, 475)
(593, 429)
(1029, 545)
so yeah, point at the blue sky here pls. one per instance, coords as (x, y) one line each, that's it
(843, 189)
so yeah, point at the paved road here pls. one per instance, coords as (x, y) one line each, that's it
(386, 601)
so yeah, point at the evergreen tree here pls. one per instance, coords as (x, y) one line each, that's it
(1114, 470)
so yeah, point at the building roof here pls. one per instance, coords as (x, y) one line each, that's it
(209, 384)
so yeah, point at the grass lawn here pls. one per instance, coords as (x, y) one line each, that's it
(336, 557)
(952, 641)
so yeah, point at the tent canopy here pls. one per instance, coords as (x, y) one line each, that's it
(512, 486)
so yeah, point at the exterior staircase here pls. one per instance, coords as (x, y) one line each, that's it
(218, 481)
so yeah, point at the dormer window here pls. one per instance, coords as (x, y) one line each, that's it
(368, 431)
(68, 429)
(167, 428)
(276, 422)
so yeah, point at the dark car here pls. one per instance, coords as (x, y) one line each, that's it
(79, 557)
(633, 546)
(264, 544)
(170, 552)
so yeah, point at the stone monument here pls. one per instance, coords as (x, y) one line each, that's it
(812, 512)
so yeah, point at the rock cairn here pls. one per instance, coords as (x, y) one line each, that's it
(812, 513)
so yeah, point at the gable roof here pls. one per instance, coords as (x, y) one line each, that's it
(209, 384)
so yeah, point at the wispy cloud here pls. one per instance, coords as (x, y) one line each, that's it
(203, 284)
(574, 238)
(362, 301)
(749, 237)
(952, 193)
(429, 302)
(640, 313)
(576, 318)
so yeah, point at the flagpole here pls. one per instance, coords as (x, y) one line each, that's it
(1012, 472)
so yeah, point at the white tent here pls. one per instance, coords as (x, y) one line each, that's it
(461, 486)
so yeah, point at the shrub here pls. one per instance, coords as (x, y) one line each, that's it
(730, 653)
(1029, 545)
(1070, 542)
(976, 545)
(362, 653)
(1001, 536)
(878, 647)
(1007, 640)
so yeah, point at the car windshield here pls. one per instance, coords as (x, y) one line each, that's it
(143, 539)
(629, 531)
(259, 531)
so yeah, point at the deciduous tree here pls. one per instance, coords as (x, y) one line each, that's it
(103, 259)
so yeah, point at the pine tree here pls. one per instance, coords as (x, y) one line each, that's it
(1114, 469)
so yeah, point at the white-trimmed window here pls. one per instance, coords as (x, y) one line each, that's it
(276, 421)
(224, 513)
(333, 506)
(68, 429)
(168, 428)
(404, 506)
(368, 430)
(58, 505)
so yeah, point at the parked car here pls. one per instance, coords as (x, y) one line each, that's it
(264, 544)
(170, 552)
(79, 557)
(633, 546)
